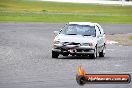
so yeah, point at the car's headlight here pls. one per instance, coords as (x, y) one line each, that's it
(57, 42)
(87, 44)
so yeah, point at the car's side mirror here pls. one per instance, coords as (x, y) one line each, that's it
(56, 33)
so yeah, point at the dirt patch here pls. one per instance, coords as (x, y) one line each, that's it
(123, 39)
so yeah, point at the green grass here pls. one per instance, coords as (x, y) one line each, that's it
(130, 37)
(36, 11)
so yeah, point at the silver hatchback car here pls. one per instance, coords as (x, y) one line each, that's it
(78, 39)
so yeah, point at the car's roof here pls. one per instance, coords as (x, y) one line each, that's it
(83, 23)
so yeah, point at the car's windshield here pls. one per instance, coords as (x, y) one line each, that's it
(74, 29)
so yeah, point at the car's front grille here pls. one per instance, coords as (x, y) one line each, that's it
(82, 50)
(70, 43)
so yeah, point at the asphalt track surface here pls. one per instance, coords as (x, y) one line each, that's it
(25, 58)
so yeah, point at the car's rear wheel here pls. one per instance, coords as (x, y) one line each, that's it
(94, 56)
(102, 53)
(55, 54)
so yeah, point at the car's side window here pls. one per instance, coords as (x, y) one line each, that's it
(102, 31)
(99, 29)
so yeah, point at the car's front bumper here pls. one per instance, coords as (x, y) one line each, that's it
(72, 49)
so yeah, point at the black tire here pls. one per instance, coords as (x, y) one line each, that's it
(94, 56)
(102, 53)
(55, 54)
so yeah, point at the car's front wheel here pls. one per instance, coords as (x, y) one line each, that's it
(94, 56)
(102, 53)
(55, 54)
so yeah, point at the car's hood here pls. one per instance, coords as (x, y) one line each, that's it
(75, 38)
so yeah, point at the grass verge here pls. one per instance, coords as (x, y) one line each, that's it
(130, 37)
(123, 39)
(37, 11)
